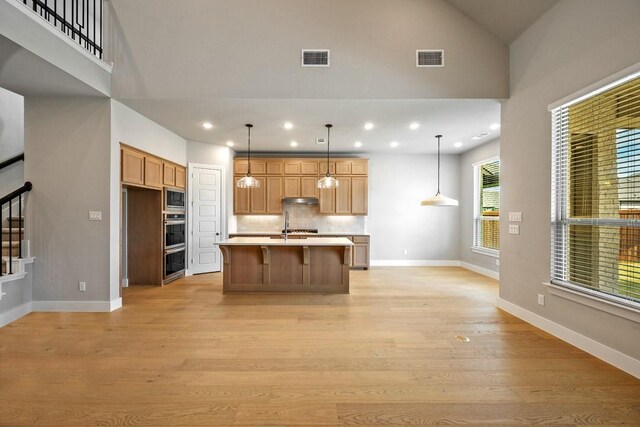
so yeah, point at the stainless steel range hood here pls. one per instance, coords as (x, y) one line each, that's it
(309, 201)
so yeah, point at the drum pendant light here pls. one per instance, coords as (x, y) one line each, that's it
(248, 181)
(439, 199)
(328, 181)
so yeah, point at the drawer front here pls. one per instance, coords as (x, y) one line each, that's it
(360, 239)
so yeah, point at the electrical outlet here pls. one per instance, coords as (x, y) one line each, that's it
(515, 216)
(405, 252)
(540, 299)
(514, 229)
(82, 286)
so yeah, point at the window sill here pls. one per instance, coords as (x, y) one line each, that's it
(594, 300)
(484, 251)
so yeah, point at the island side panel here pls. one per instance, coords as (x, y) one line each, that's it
(326, 268)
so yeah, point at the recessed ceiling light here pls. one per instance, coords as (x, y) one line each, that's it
(495, 126)
(207, 125)
(480, 135)
(288, 125)
(358, 144)
(368, 126)
(230, 144)
(293, 144)
(458, 144)
(394, 144)
(414, 126)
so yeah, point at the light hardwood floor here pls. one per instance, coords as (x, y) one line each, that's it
(386, 354)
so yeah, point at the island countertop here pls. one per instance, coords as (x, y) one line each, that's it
(267, 241)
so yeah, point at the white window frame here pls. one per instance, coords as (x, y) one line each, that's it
(599, 300)
(476, 209)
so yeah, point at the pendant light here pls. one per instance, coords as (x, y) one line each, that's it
(328, 181)
(439, 199)
(248, 181)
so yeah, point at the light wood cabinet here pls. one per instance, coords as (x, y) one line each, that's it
(181, 177)
(274, 194)
(343, 196)
(132, 167)
(298, 177)
(359, 195)
(327, 199)
(292, 186)
(360, 252)
(309, 167)
(152, 172)
(241, 204)
(292, 167)
(309, 186)
(169, 174)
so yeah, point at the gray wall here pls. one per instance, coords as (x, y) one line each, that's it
(575, 44)
(467, 159)
(67, 147)
(11, 139)
(396, 221)
(251, 49)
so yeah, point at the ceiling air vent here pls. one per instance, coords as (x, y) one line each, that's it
(321, 140)
(315, 57)
(430, 58)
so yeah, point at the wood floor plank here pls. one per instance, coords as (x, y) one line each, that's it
(187, 355)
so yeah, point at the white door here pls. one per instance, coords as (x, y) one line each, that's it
(206, 219)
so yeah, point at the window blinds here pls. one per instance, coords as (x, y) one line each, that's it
(596, 193)
(487, 224)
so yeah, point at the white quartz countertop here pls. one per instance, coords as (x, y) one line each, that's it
(266, 241)
(275, 233)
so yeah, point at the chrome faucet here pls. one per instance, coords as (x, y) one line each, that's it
(286, 224)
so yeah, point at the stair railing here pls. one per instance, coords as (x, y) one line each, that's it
(9, 198)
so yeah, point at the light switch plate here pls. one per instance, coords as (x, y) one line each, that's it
(540, 299)
(95, 215)
(514, 229)
(82, 286)
(515, 216)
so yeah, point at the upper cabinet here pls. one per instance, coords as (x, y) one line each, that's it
(298, 177)
(145, 170)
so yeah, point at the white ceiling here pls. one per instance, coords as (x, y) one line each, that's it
(456, 120)
(506, 19)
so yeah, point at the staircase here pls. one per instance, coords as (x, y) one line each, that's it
(12, 232)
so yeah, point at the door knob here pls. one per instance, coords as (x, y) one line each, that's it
(217, 234)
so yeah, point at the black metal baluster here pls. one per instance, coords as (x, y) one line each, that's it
(10, 240)
(101, 34)
(20, 227)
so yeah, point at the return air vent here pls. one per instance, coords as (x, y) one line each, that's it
(315, 57)
(430, 58)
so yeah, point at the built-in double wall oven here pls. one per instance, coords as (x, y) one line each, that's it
(175, 237)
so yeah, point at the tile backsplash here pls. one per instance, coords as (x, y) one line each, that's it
(301, 216)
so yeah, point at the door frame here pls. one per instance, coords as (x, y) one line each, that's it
(223, 207)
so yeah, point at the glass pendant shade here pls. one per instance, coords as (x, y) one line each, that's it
(328, 182)
(439, 199)
(248, 181)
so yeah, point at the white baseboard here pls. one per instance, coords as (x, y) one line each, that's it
(115, 304)
(480, 270)
(601, 351)
(15, 313)
(414, 263)
(80, 306)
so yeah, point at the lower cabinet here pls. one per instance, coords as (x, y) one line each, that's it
(360, 252)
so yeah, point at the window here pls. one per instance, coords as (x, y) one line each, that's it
(596, 193)
(486, 225)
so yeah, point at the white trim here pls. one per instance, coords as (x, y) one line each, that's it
(601, 351)
(79, 306)
(10, 278)
(14, 314)
(594, 300)
(415, 263)
(485, 251)
(599, 86)
(480, 270)
(115, 304)
(488, 160)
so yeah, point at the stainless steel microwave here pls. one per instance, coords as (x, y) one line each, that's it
(174, 200)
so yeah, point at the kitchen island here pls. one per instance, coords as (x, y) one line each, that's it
(264, 264)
